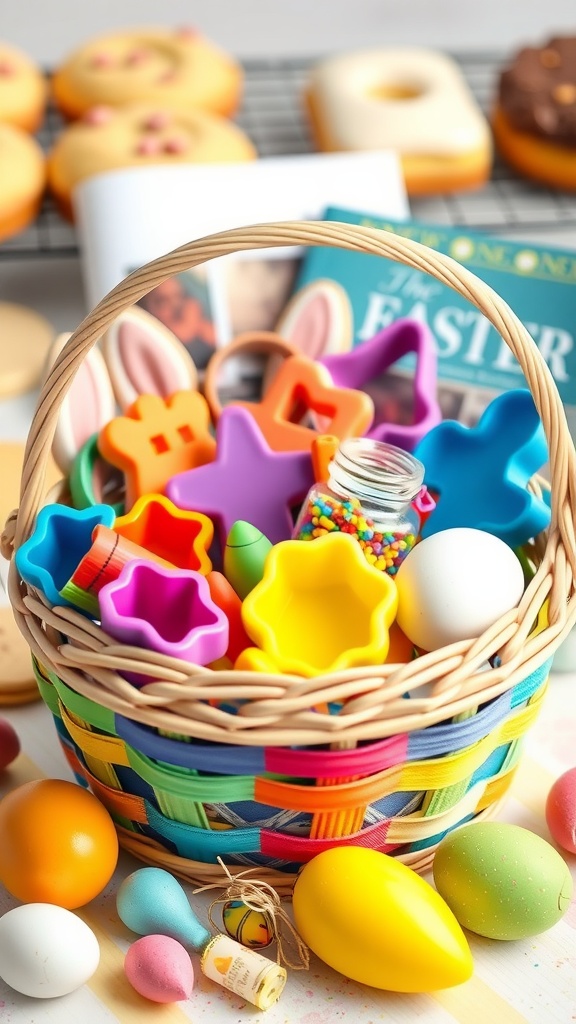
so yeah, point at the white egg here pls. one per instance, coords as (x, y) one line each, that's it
(454, 585)
(46, 951)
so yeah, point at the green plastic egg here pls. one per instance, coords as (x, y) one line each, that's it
(502, 881)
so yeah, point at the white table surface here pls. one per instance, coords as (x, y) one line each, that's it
(530, 981)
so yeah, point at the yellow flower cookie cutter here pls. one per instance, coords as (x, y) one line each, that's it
(319, 608)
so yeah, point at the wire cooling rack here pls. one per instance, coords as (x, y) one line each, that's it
(272, 116)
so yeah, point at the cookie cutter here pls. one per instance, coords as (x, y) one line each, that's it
(165, 610)
(157, 438)
(320, 608)
(60, 539)
(370, 359)
(247, 480)
(170, 534)
(479, 475)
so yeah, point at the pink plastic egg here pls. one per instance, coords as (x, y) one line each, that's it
(9, 743)
(561, 810)
(160, 969)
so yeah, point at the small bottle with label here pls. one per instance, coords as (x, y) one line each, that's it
(369, 494)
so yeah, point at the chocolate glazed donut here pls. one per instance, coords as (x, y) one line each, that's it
(535, 118)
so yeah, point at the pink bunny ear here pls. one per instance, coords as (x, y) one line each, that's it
(145, 358)
(87, 407)
(318, 319)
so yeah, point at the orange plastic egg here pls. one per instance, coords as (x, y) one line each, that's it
(59, 844)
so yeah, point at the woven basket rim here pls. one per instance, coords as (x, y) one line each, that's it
(279, 710)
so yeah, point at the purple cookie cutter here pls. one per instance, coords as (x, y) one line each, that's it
(165, 610)
(365, 362)
(247, 480)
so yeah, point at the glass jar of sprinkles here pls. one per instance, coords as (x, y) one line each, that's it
(369, 493)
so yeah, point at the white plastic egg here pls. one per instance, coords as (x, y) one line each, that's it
(454, 585)
(46, 951)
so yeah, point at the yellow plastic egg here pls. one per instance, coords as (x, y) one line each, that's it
(376, 921)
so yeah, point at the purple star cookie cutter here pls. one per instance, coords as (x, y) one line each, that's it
(165, 610)
(247, 480)
(367, 361)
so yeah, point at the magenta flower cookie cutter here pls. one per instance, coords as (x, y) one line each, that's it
(165, 610)
(367, 361)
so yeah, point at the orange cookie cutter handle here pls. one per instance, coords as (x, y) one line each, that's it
(250, 343)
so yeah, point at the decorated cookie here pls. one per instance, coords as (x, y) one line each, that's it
(107, 139)
(25, 337)
(22, 179)
(168, 67)
(23, 89)
(414, 101)
(534, 119)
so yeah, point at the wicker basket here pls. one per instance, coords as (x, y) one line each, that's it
(187, 780)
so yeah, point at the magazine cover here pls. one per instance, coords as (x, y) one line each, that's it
(474, 363)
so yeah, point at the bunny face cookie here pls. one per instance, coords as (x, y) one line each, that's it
(107, 139)
(171, 68)
(138, 355)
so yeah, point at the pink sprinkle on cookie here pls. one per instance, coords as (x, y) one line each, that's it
(186, 32)
(175, 145)
(156, 122)
(6, 69)
(102, 60)
(160, 969)
(97, 116)
(138, 56)
(149, 146)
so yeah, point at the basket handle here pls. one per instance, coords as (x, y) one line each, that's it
(355, 238)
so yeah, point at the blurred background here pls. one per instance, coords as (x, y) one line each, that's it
(253, 28)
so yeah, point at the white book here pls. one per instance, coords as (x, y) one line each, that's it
(128, 217)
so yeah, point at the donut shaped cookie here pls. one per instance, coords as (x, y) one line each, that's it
(171, 68)
(22, 179)
(108, 138)
(534, 120)
(414, 101)
(23, 89)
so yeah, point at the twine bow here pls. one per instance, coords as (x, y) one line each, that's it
(259, 896)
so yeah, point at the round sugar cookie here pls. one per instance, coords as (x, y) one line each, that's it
(22, 179)
(23, 89)
(140, 135)
(25, 337)
(167, 67)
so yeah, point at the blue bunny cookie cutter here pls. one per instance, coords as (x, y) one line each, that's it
(480, 473)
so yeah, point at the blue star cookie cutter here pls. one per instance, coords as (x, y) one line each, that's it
(60, 539)
(480, 473)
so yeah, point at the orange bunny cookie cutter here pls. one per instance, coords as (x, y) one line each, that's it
(156, 439)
